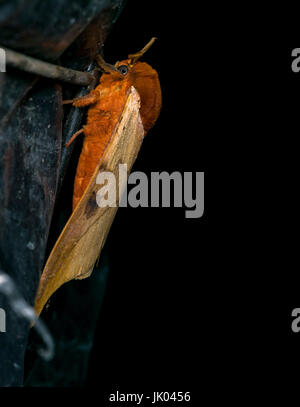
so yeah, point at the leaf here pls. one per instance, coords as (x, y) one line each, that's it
(80, 243)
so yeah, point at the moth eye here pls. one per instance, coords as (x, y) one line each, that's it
(123, 69)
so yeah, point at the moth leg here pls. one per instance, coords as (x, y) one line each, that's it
(74, 137)
(86, 100)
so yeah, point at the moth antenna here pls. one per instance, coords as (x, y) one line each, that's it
(107, 68)
(134, 57)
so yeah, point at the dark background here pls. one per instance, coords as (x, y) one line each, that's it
(181, 291)
(288, 222)
(156, 329)
(153, 327)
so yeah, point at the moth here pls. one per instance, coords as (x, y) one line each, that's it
(106, 104)
(122, 109)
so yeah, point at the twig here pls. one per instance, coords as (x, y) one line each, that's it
(35, 66)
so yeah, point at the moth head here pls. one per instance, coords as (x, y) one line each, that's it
(145, 80)
(143, 77)
(123, 68)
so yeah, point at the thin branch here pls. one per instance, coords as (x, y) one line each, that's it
(35, 66)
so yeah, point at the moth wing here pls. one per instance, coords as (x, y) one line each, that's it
(79, 245)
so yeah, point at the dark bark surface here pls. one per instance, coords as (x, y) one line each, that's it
(33, 130)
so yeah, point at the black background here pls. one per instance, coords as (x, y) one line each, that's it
(153, 328)
(288, 222)
(181, 290)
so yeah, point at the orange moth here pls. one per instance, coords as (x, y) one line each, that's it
(106, 104)
(123, 107)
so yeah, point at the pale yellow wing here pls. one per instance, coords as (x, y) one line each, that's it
(80, 243)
